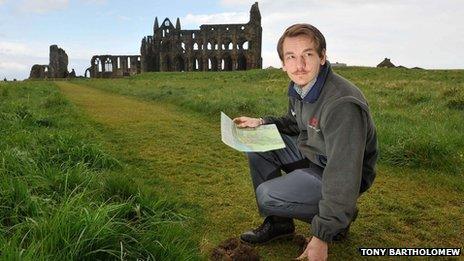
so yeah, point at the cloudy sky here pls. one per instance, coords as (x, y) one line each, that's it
(424, 33)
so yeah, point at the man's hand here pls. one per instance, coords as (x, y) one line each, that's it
(244, 122)
(316, 250)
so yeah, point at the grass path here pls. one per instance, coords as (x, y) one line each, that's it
(167, 142)
(179, 154)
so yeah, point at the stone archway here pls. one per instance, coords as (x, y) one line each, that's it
(226, 63)
(241, 62)
(167, 64)
(179, 64)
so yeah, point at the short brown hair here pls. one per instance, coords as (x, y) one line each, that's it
(302, 29)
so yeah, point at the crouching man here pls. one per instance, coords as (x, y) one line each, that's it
(330, 154)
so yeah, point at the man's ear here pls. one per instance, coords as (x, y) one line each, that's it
(324, 57)
(283, 66)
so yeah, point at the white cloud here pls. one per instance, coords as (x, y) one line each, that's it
(359, 32)
(17, 58)
(220, 18)
(11, 48)
(235, 3)
(12, 66)
(42, 6)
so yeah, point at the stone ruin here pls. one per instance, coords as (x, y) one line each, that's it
(386, 63)
(215, 47)
(39, 72)
(57, 67)
(110, 66)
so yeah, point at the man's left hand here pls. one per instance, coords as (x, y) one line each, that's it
(316, 250)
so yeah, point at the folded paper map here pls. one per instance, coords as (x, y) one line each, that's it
(259, 139)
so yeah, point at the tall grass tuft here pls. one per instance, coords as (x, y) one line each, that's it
(63, 197)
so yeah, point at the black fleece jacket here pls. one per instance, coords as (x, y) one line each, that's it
(335, 131)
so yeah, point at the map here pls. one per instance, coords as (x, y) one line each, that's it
(259, 139)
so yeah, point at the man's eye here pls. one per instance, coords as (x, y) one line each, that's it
(290, 57)
(308, 54)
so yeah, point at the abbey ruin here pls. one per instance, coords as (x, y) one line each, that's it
(215, 47)
(57, 67)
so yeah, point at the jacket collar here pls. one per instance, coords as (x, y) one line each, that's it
(316, 90)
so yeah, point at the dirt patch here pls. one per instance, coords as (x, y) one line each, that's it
(234, 249)
(300, 241)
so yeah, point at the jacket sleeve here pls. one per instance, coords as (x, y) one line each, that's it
(285, 124)
(344, 130)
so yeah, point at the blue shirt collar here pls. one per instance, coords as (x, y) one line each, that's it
(316, 90)
(303, 91)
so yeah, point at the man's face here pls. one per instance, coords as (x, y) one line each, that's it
(301, 61)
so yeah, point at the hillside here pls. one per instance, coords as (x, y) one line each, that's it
(162, 129)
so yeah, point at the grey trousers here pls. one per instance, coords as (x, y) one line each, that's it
(295, 194)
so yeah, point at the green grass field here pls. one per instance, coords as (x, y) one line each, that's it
(135, 167)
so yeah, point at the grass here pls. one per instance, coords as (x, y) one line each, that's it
(162, 129)
(64, 197)
(408, 105)
(416, 198)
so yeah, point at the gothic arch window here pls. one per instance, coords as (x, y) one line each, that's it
(209, 46)
(245, 45)
(209, 64)
(216, 47)
(108, 65)
(163, 33)
(197, 65)
(195, 46)
(231, 46)
(226, 63)
(98, 64)
(128, 62)
(193, 35)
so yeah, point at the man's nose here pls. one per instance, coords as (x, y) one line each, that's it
(301, 63)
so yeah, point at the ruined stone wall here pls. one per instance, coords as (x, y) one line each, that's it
(111, 66)
(215, 47)
(58, 66)
(39, 72)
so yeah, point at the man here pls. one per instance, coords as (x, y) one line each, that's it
(330, 154)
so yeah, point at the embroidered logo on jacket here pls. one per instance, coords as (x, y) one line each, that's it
(313, 124)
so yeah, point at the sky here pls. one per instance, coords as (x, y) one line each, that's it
(425, 33)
